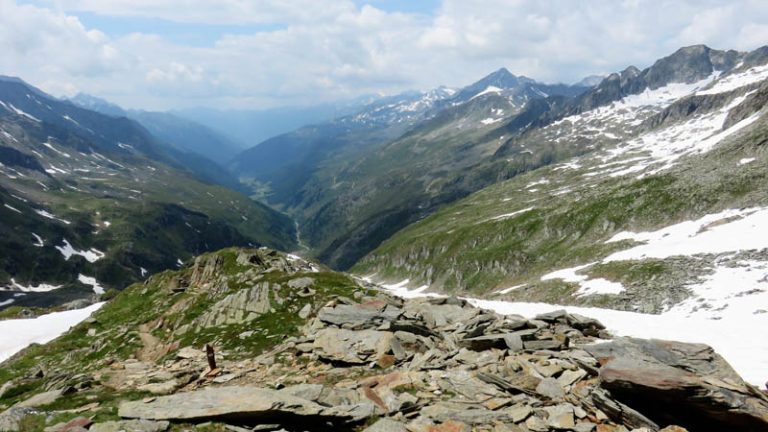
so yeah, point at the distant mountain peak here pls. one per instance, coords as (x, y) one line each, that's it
(590, 81)
(95, 103)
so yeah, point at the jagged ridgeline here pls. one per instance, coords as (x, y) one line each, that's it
(688, 152)
(290, 345)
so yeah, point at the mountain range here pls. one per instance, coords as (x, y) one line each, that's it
(385, 191)
(505, 256)
(92, 202)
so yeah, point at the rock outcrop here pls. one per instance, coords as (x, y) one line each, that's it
(688, 384)
(348, 357)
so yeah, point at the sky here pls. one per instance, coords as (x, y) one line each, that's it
(172, 54)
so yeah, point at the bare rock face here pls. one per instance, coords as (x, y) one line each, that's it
(685, 384)
(242, 306)
(205, 269)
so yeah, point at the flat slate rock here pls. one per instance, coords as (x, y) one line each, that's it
(233, 403)
(680, 383)
(41, 399)
(131, 426)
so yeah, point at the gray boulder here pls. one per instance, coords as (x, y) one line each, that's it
(353, 347)
(680, 383)
(10, 419)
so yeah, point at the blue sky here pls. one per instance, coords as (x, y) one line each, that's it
(163, 54)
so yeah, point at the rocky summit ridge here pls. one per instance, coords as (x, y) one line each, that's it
(253, 339)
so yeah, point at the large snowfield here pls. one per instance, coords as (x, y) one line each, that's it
(17, 334)
(739, 337)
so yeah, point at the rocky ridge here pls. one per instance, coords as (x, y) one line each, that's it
(357, 359)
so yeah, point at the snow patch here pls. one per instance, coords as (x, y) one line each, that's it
(737, 80)
(745, 161)
(490, 120)
(9, 207)
(43, 287)
(489, 89)
(22, 113)
(510, 289)
(50, 146)
(88, 280)
(39, 241)
(664, 147)
(17, 334)
(586, 286)
(726, 231)
(509, 215)
(91, 255)
(45, 214)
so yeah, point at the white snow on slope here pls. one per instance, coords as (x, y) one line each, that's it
(91, 255)
(736, 289)
(490, 120)
(666, 146)
(89, 280)
(726, 231)
(66, 117)
(43, 287)
(734, 81)
(509, 215)
(586, 286)
(745, 161)
(22, 113)
(626, 109)
(489, 89)
(17, 334)
(9, 207)
(733, 336)
(510, 289)
(39, 241)
(50, 146)
(48, 215)
(731, 230)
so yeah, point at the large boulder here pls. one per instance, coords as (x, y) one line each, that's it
(680, 383)
(352, 347)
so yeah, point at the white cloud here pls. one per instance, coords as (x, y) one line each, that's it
(323, 50)
(234, 12)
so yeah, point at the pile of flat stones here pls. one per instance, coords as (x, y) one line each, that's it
(385, 364)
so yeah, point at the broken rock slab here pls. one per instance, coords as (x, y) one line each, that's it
(675, 383)
(353, 347)
(242, 404)
(131, 426)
